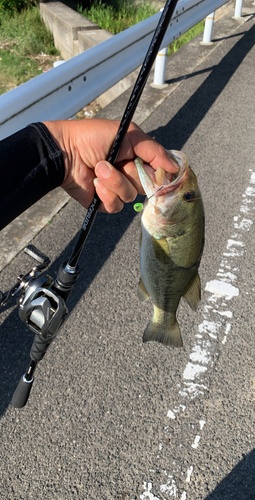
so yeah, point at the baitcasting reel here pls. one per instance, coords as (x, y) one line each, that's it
(42, 307)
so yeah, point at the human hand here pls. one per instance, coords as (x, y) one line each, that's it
(86, 144)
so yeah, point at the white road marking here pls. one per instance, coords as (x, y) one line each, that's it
(220, 288)
(201, 423)
(210, 332)
(147, 495)
(228, 314)
(170, 487)
(171, 414)
(189, 472)
(195, 444)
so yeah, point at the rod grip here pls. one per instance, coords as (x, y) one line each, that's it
(39, 348)
(21, 394)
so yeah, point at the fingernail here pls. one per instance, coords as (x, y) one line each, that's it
(96, 181)
(103, 170)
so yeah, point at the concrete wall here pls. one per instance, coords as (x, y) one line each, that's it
(73, 34)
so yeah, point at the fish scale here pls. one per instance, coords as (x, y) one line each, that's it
(171, 246)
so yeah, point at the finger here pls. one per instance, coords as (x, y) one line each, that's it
(129, 170)
(137, 143)
(110, 202)
(115, 181)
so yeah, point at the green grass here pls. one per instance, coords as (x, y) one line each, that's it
(26, 48)
(123, 14)
(11, 6)
(120, 15)
(26, 32)
(15, 69)
(185, 38)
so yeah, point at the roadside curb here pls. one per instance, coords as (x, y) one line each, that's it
(24, 228)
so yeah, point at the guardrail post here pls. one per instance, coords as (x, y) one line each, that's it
(238, 9)
(207, 38)
(160, 67)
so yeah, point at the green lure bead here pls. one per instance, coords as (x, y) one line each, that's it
(138, 207)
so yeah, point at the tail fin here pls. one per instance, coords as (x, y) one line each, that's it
(168, 335)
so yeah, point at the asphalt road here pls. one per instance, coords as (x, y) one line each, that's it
(108, 417)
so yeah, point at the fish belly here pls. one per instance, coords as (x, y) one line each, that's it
(165, 283)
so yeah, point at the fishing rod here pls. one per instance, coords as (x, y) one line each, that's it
(126, 119)
(42, 300)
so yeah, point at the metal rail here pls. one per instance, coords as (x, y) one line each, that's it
(63, 91)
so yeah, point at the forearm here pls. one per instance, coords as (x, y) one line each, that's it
(31, 165)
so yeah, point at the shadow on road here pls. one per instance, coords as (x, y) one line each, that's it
(184, 123)
(239, 483)
(16, 339)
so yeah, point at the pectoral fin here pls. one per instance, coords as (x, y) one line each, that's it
(161, 250)
(142, 292)
(193, 294)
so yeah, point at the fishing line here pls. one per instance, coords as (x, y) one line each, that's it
(159, 189)
(138, 207)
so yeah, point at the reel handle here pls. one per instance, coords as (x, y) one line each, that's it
(22, 392)
(37, 255)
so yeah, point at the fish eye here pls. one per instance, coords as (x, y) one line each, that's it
(189, 196)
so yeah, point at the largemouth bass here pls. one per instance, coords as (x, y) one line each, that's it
(171, 246)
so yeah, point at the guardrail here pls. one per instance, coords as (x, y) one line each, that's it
(64, 90)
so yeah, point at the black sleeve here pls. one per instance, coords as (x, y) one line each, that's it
(31, 165)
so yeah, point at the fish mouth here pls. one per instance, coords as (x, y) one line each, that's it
(157, 183)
